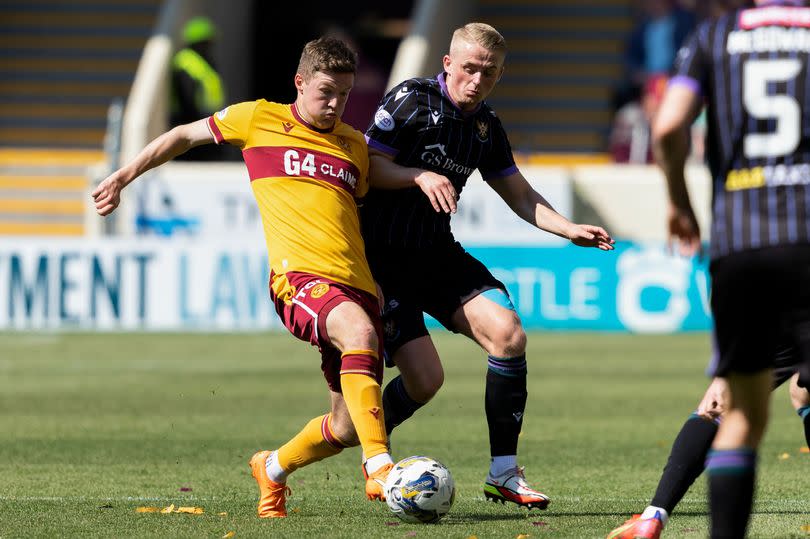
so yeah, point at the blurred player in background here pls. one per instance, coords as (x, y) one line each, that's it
(197, 89)
(306, 167)
(427, 138)
(687, 458)
(751, 67)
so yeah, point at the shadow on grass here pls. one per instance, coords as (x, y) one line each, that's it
(469, 518)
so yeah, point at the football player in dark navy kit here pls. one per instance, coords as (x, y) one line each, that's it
(750, 66)
(687, 457)
(427, 138)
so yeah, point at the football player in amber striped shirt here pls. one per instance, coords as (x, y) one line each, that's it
(306, 169)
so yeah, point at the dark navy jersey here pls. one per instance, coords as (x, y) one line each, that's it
(751, 67)
(420, 126)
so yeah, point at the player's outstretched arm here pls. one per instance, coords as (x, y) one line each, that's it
(107, 195)
(385, 174)
(533, 208)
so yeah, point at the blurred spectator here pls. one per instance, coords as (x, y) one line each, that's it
(197, 89)
(712, 9)
(630, 134)
(652, 46)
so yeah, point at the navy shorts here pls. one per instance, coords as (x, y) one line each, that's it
(761, 306)
(436, 280)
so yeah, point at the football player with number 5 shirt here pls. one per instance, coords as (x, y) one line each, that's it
(306, 169)
(750, 67)
(427, 138)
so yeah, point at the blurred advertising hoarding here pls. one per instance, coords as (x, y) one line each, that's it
(179, 284)
(215, 201)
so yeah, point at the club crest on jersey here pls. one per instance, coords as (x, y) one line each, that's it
(343, 143)
(482, 130)
(319, 290)
(383, 120)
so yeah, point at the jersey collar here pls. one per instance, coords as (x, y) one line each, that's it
(308, 125)
(443, 85)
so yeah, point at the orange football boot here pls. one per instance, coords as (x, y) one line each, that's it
(635, 528)
(272, 495)
(376, 481)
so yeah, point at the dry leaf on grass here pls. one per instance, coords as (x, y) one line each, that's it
(190, 510)
(172, 509)
(147, 509)
(228, 535)
(784, 456)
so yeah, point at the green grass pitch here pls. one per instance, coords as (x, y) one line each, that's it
(94, 426)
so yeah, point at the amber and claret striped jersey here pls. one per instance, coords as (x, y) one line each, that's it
(305, 181)
(751, 67)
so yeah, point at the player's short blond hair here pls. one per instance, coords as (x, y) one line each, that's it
(481, 34)
(327, 54)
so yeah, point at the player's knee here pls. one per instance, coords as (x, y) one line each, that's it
(426, 384)
(364, 337)
(508, 337)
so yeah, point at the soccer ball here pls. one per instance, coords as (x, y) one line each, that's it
(419, 489)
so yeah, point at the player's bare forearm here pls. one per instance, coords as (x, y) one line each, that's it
(670, 134)
(544, 217)
(671, 145)
(385, 174)
(579, 234)
(533, 208)
(671, 152)
(167, 146)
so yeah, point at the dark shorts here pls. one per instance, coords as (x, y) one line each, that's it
(436, 281)
(786, 363)
(305, 317)
(761, 307)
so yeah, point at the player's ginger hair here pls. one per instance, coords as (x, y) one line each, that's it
(327, 55)
(479, 33)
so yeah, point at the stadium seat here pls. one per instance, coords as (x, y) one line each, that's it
(564, 58)
(63, 64)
